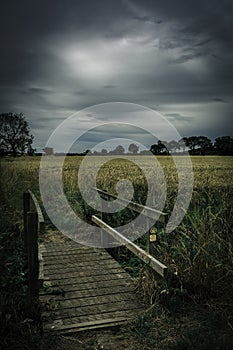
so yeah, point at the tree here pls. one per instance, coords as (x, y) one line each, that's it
(154, 149)
(224, 145)
(205, 145)
(159, 148)
(182, 143)
(104, 151)
(118, 150)
(192, 142)
(197, 144)
(162, 147)
(14, 134)
(133, 148)
(48, 151)
(173, 146)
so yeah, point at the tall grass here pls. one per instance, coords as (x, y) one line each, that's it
(199, 250)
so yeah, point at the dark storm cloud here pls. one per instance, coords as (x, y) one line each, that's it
(58, 57)
(213, 19)
(203, 27)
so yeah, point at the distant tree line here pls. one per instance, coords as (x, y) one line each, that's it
(195, 145)
(15, 139)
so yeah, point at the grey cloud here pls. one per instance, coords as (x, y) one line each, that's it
(218, 99)
(178, 117)
(148, 19)
(203, 42)
(81, 92)
(38, 90)
(186, 57)
(115, 131)
(110, 86)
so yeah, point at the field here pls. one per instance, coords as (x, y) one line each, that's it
(199, 249)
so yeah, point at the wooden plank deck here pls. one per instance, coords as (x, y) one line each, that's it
(84, 288)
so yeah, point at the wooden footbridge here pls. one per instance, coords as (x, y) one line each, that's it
(79, 287)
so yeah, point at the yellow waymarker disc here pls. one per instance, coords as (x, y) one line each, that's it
(153, 238)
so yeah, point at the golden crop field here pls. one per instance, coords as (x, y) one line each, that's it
(199, 249)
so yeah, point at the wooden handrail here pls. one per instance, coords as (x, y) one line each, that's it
(143, 255)
(138, 208)
(148, 212)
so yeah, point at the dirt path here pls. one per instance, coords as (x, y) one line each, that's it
(101, 340)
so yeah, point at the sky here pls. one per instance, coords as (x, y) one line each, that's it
(174, 57)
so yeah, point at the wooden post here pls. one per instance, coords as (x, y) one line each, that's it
(26, 209)
(39, 212)
(33, 263)
(42, 227)
(148, 235)
(104, 234)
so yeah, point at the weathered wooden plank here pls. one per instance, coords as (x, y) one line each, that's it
(63, 246)
(88, 280)
(74, 319)
(64, 255)
(75, 245)
(76, 270)
(67, 244)
(98, 275)
(70, 267)
(83, 284)
(75, 259)
(86, 293)
(97, 309)
(73, 263)
(156, 265)
(94, 300)
(65, 251)
(94, 317)
(107, 320)
(86, 325)
(62, 250)
(73, 292)
(86, 270)
(75, 248)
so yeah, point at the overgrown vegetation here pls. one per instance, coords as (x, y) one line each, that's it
(18, 328)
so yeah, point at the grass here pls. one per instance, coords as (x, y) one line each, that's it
(195, 308)
(18, 318)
